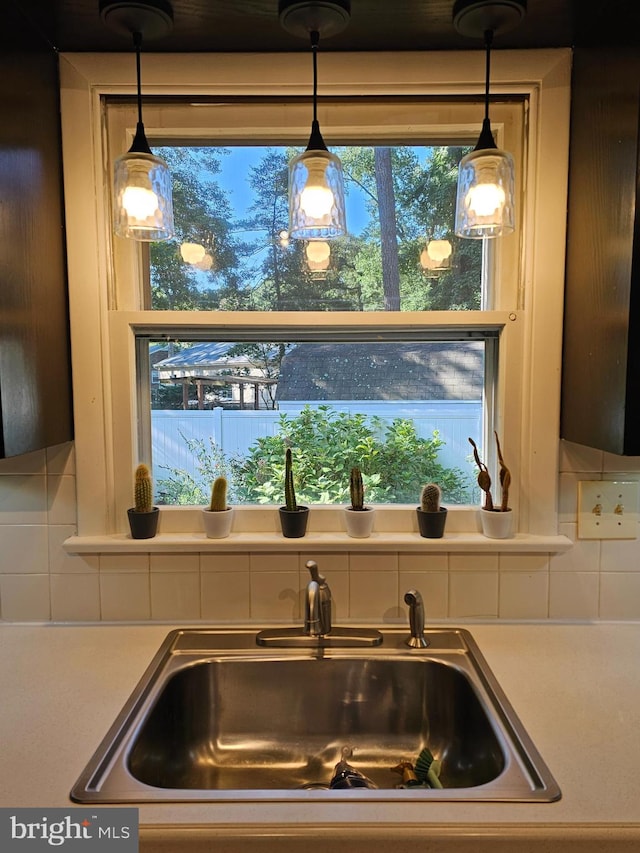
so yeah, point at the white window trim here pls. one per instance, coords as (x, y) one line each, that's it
(102, 340)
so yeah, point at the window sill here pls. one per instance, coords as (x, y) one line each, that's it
(164, 543)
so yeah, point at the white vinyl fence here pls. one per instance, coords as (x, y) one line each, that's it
(235, 431)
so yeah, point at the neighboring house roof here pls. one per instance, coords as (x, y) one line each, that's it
(204, 359)
(432, 370)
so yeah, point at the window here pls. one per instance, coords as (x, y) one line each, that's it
(516, 325)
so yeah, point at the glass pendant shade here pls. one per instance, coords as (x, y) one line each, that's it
(485, 199)
(316, 196)
(142, 203)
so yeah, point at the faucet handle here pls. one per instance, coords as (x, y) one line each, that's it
(315, 574)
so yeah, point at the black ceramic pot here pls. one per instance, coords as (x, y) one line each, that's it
(294, 522)
(431, 524)
(143, 524)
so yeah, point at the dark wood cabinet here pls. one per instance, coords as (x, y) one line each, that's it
(35, 372)
(601, 358)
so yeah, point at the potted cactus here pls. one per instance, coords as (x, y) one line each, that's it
(143, 517)
(293, 518)
(496, 519)
(358, 517)
(431, 516)
(218, 517)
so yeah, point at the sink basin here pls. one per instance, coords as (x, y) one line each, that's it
(216, 717)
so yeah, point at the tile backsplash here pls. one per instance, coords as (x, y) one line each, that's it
(40, 582)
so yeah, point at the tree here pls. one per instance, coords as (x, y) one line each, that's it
(202, 214)
(388, 228)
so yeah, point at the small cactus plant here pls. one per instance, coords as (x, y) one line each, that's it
(289, 489)
(356, 489)
(430, 498)
(218, 495)
(142, 491)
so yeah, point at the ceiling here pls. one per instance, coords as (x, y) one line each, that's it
(253, 25)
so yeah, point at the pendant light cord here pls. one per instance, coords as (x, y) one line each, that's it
(140, 143)
(315, 41)
(316, 142)
(488, 39)
(137, 43)
(486, 139)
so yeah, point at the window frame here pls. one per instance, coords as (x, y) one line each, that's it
(103, 338)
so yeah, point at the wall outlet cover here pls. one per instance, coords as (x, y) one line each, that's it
(608, 509)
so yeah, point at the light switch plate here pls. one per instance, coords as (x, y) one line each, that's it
(608, 509)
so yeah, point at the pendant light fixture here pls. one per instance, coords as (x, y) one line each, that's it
(485, 201)
(142, 202)
(316, 181)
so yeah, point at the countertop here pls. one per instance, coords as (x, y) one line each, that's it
(575, 688)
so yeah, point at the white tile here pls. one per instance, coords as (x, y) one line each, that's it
(473, 594)
(583, 556)
(23, 499)
(524, 595)
(75, 597)
(61, 499)
(124, 596)
(620, 596)
(224, 562)
(61, 459)
(620, 555)
(273, 562)
(578, 458)
(423, 562)
(175, 595)
(434, 588)
(60, 562)
(25, 598)
(573, 595)
(611, 462)
(373, 596)
(473, 562)
(225, 596)
(369, 561)
(275, 595)
(24, 549)
(327, 562)
(175, 563)
(27, 463)
(568, 495)
(524, 563)
(136, 563)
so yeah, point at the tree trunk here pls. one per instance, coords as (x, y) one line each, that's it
(388, 235)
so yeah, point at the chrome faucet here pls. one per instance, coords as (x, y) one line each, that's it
(317, 611)
(417, 640)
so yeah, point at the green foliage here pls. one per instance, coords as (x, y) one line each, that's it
(183, 489)
(327, 444)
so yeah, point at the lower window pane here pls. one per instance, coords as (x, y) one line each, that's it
(402, 411)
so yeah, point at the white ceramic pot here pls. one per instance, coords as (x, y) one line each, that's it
(497, 525)
(359, 521)
(217, 525)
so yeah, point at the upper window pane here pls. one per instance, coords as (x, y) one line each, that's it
(232, 251)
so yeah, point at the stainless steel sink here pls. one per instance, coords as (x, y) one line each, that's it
(216, 717)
